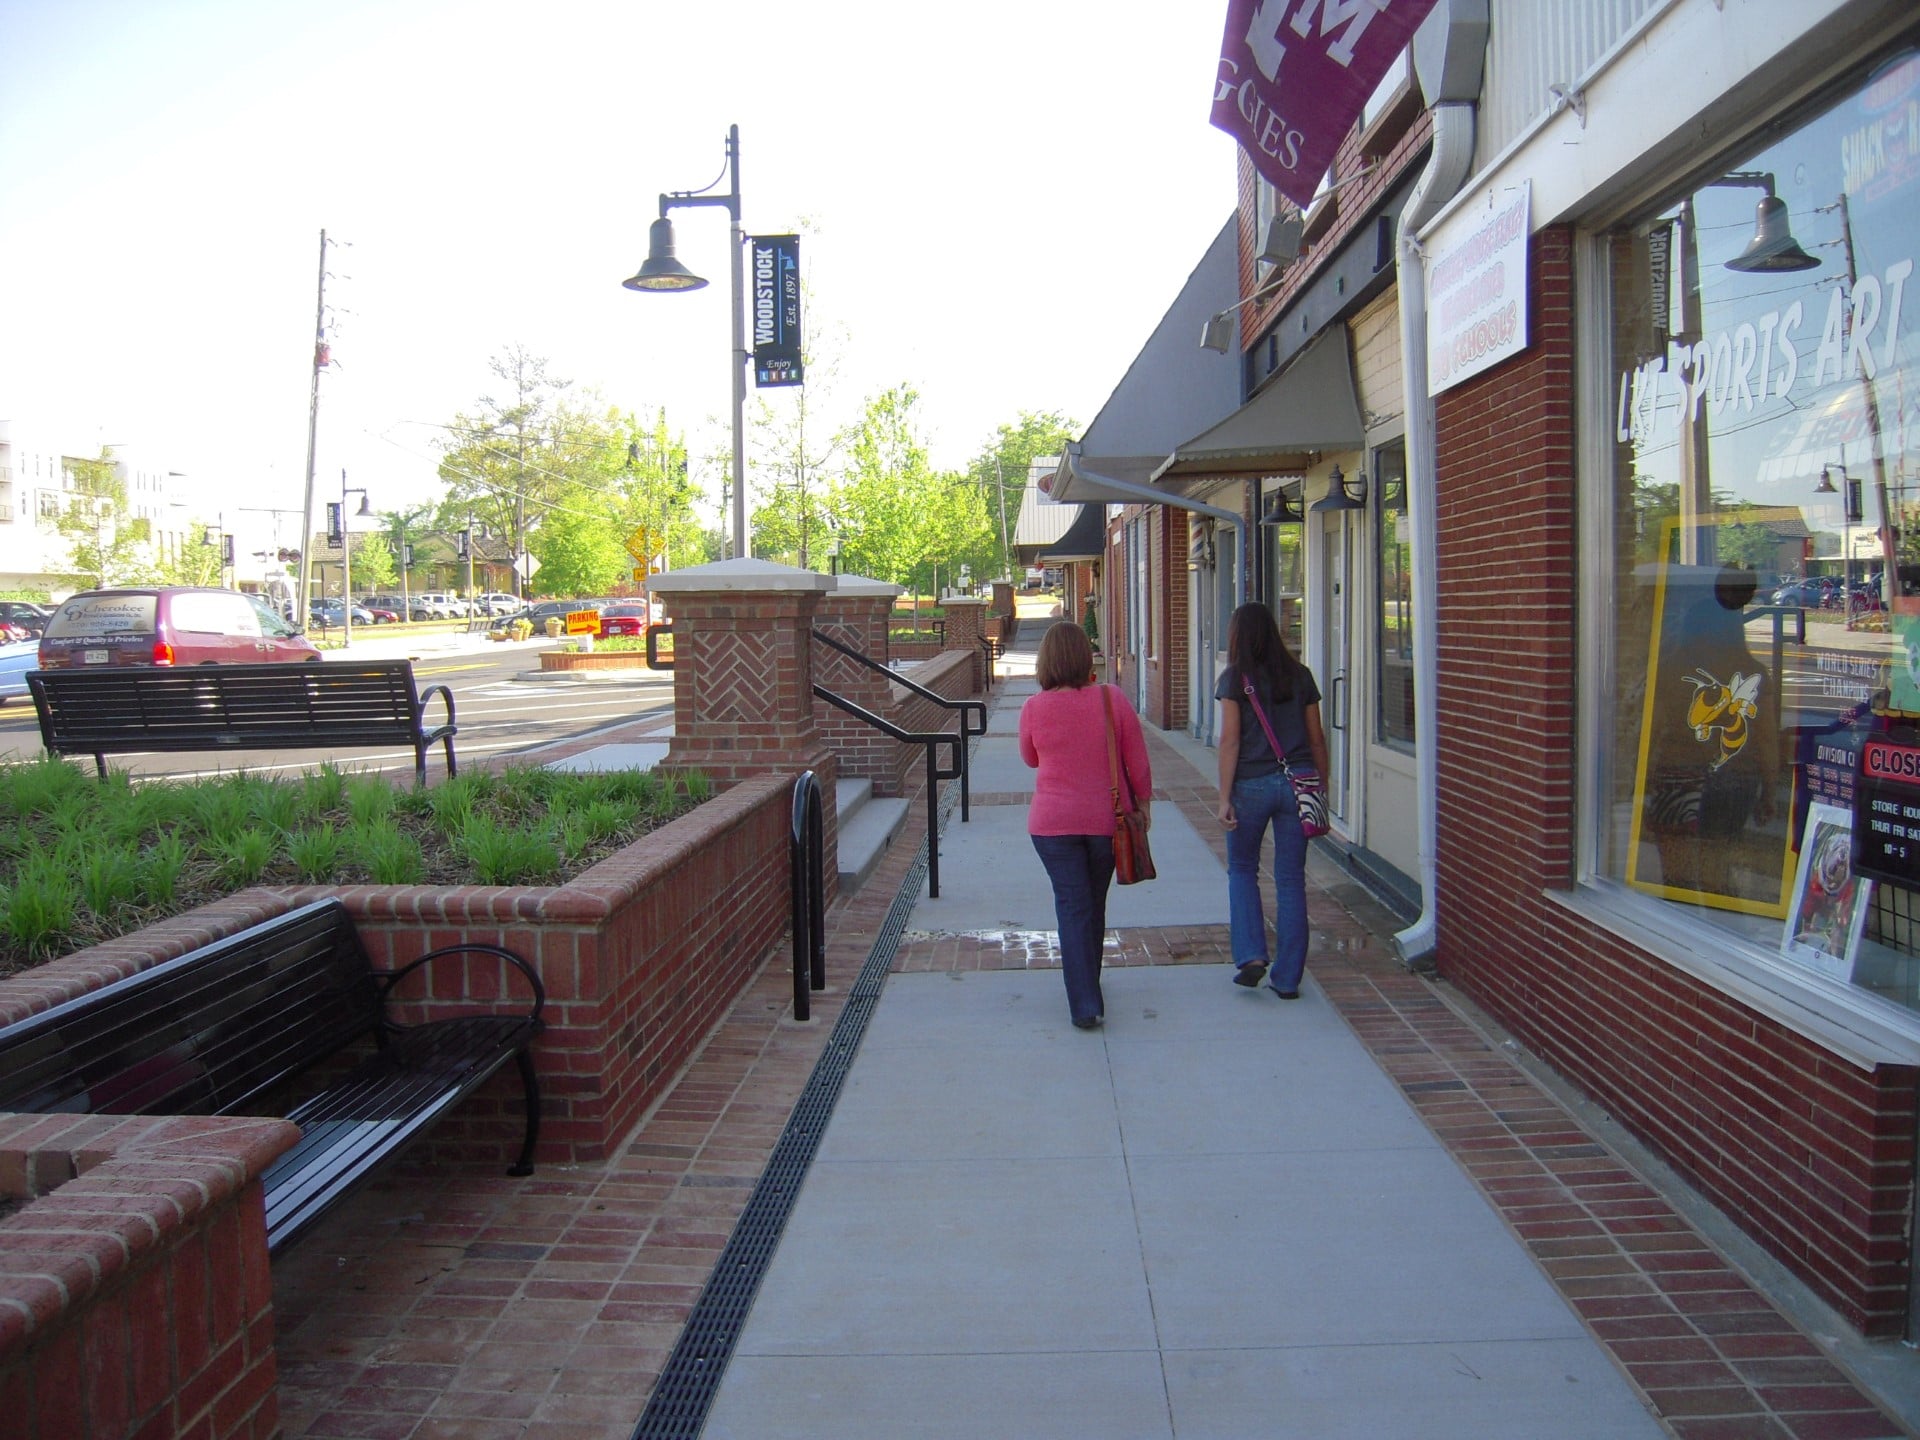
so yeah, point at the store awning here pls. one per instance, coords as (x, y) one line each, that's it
(1309, 410)
(1172, 388)
(1086, 538)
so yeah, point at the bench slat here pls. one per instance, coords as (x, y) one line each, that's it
(215, 1030)
(117, 710)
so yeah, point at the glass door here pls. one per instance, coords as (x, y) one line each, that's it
(1332, 669)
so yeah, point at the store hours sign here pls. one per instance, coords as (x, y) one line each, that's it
(1886, 812)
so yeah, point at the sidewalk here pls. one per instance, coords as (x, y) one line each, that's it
(1220, 1215)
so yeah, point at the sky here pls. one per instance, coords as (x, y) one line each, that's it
(998, 202)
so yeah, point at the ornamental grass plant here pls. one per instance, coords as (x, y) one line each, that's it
(84, 860)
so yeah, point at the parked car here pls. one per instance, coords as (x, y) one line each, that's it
(381, 614)
(25, 616)
(16, 660)
(440, 605)
(409, 606)
(495, 603)
(332, 612)
(628, 617)
(168, 625)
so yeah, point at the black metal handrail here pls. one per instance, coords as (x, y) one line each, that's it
(808, 852)
(935, 774)
(967, 708)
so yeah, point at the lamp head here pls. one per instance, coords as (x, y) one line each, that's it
(1282, 245)
(1341, 494)
(1826, 485)
(366, 507)
(1218, 334)
(661, 271)
(1286, 510)
(1772, 248)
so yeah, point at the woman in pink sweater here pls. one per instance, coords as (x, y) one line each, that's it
(1063, 735)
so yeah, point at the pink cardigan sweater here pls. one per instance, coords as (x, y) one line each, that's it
(1063, 736)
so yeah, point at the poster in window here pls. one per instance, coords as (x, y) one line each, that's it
(1710, 807)
(1830, 899)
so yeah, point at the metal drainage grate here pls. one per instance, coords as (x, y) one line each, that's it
(678, 1407)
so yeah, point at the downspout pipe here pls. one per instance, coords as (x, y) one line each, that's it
(1448, 166)
(1147, 495)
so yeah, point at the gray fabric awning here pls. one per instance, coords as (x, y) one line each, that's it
(1172, 388)
(1086, 538)
(1309, 409)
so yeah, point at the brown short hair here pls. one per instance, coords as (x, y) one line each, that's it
(1066, 657)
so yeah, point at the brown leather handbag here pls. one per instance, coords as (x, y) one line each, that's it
(1132, 860)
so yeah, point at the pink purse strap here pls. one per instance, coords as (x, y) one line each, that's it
(1253, 698)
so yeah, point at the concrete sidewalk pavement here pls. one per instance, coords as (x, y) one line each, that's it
(1222, 1214)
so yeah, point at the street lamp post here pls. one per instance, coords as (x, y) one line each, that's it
(662, 271)
(346, 556)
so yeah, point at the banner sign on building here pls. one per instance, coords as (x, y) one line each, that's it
(1477, 288)
(1295, 75)
(776, 311)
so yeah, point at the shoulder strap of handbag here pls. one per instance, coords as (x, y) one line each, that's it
(1117, 778)
(1253, 699)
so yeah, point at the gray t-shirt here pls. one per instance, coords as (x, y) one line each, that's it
(1288, 718)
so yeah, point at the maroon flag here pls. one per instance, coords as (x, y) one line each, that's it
(1295, 74)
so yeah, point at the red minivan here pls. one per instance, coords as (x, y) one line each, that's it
(170, 625)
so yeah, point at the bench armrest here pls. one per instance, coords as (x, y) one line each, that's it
(446, 698)
(388, 979)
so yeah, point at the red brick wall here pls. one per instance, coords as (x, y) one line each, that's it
(135, 1298)
(641, 957)
(1811, 1156)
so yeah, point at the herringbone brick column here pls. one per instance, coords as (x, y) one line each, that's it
(966, 626)
(856, 614)
(743, 670)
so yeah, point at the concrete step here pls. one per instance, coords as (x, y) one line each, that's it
(867, 828)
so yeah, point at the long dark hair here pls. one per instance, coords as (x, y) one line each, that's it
(1255, 649)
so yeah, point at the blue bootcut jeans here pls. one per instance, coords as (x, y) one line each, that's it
(1081, 869)
(1260, 803)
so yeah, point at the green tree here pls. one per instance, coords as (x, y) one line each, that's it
(107, 541)
(902, 521)
(499, 461)
(1001, 468)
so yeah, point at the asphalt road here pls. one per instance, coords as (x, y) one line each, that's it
(497, 714)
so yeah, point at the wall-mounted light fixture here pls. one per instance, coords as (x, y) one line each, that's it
(1286, 510)
(1282, 245)
(1342, 494)
(1772, 249)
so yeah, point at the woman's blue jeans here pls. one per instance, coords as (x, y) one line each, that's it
(1260, 803)
(1081, 869)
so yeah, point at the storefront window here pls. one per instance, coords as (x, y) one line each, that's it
(1393, 584)
(1765, 735)
(1286, 558)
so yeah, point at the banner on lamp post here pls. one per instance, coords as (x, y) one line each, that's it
(776, 311)
(1295, 74)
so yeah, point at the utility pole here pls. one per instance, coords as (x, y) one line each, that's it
(313, 431)
(1000, 487)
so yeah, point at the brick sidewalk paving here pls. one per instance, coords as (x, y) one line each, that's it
(476, 1306)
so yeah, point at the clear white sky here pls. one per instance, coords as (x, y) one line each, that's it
(1001, 200)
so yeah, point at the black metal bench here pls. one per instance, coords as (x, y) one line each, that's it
(225, 1028)
(126, 709)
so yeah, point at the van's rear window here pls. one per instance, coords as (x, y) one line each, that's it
(89, 615)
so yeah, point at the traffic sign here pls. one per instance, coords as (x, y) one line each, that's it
(583, 622)
(640, 544)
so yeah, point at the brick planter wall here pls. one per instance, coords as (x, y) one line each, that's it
(135, 1298)
(598, 660)
(1811, 1156)
(641, 956)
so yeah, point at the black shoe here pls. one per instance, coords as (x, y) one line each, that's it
(1092, 1022)
(1251, 973)
(1286, 994)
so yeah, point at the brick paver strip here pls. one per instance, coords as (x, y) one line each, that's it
(474, 1305)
